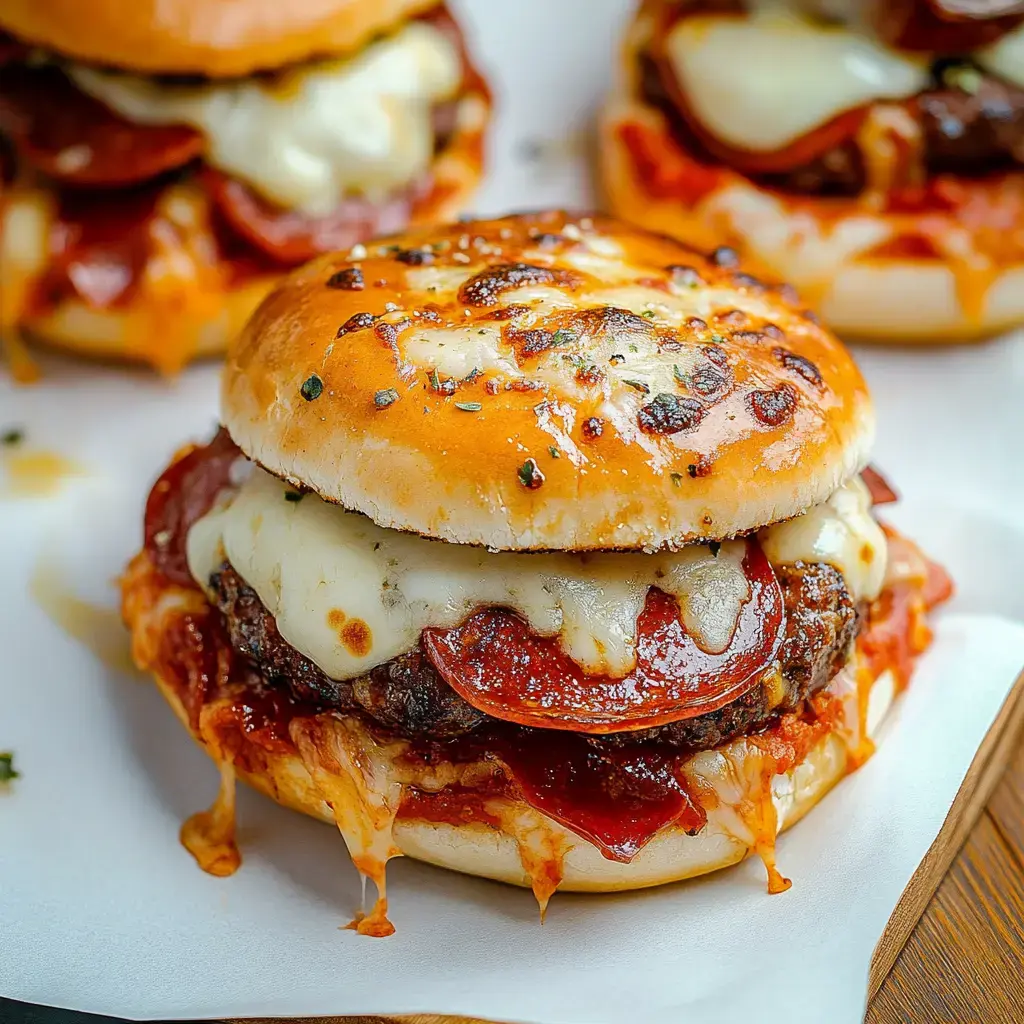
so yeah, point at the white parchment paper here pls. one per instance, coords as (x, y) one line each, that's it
(102, 910)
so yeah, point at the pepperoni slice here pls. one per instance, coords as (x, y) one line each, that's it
(292, 237)
(498, 665)
(185, 493)
(616, 799)
(68, 135)
(881, 490)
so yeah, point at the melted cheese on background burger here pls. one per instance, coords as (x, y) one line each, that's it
(350, 595)
(762, 81)
(309, 135)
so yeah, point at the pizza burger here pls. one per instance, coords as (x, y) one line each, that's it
(539, 548)
(870, 152)
(162, 164)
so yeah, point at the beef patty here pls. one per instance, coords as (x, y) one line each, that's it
(972, 123)
(408, 697)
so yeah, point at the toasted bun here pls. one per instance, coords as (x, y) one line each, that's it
(227, 37)
(829, 248)
(197, 309)
(476, 848)
(356, 379)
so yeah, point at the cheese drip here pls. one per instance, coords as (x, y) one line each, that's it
(350, 595)
(306, 137)
(759, 83)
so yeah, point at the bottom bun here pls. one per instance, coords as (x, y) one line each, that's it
(478, 848)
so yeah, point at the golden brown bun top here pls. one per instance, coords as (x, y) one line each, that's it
(205, 37)
(547, 381)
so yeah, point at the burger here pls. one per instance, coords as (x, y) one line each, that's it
(871, 153)
(163, 164)
(541, 549)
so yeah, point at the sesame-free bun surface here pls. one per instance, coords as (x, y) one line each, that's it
(544, 381)
(843, 255)
(206, 37)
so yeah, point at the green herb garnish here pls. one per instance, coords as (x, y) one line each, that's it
(15, 435)
(677, 479)
(468, 406)
(530, 475)
(293, 496)
(385, 397)
(312, 388)
(555, 453)
(637, 385)
(7, 772)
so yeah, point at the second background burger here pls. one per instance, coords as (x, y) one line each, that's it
(871, 153)
(164, 164)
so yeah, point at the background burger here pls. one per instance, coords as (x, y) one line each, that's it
(162, 163)
(870, 152)
(535, 548)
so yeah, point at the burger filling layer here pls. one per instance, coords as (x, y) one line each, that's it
(809, 101)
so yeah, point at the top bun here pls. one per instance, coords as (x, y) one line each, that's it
(547, 382)
(219, 38)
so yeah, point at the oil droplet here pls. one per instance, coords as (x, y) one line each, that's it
(210, 835)
(36, 473)
(98, 629)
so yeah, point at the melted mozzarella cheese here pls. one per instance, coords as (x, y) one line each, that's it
(758, 83)
(1005, 57)
(350, 595)
(841, 531)
(316, 132)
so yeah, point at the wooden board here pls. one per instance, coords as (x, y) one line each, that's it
(995, 850)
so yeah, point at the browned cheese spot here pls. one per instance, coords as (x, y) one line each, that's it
(356, 638)
(669, 414)
(487, 287)
(356, 322)
(748, 337)
(387, 333)
(709, 380)
(775, 407)
(506, 312)
(414, 257)
(747, 282)
(733, 318)
(684, 277)
(716, 354)
(350, 279)
(724, 256)
(608, 320)
(799, 365)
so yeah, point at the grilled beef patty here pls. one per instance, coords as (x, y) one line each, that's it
(408, 697)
